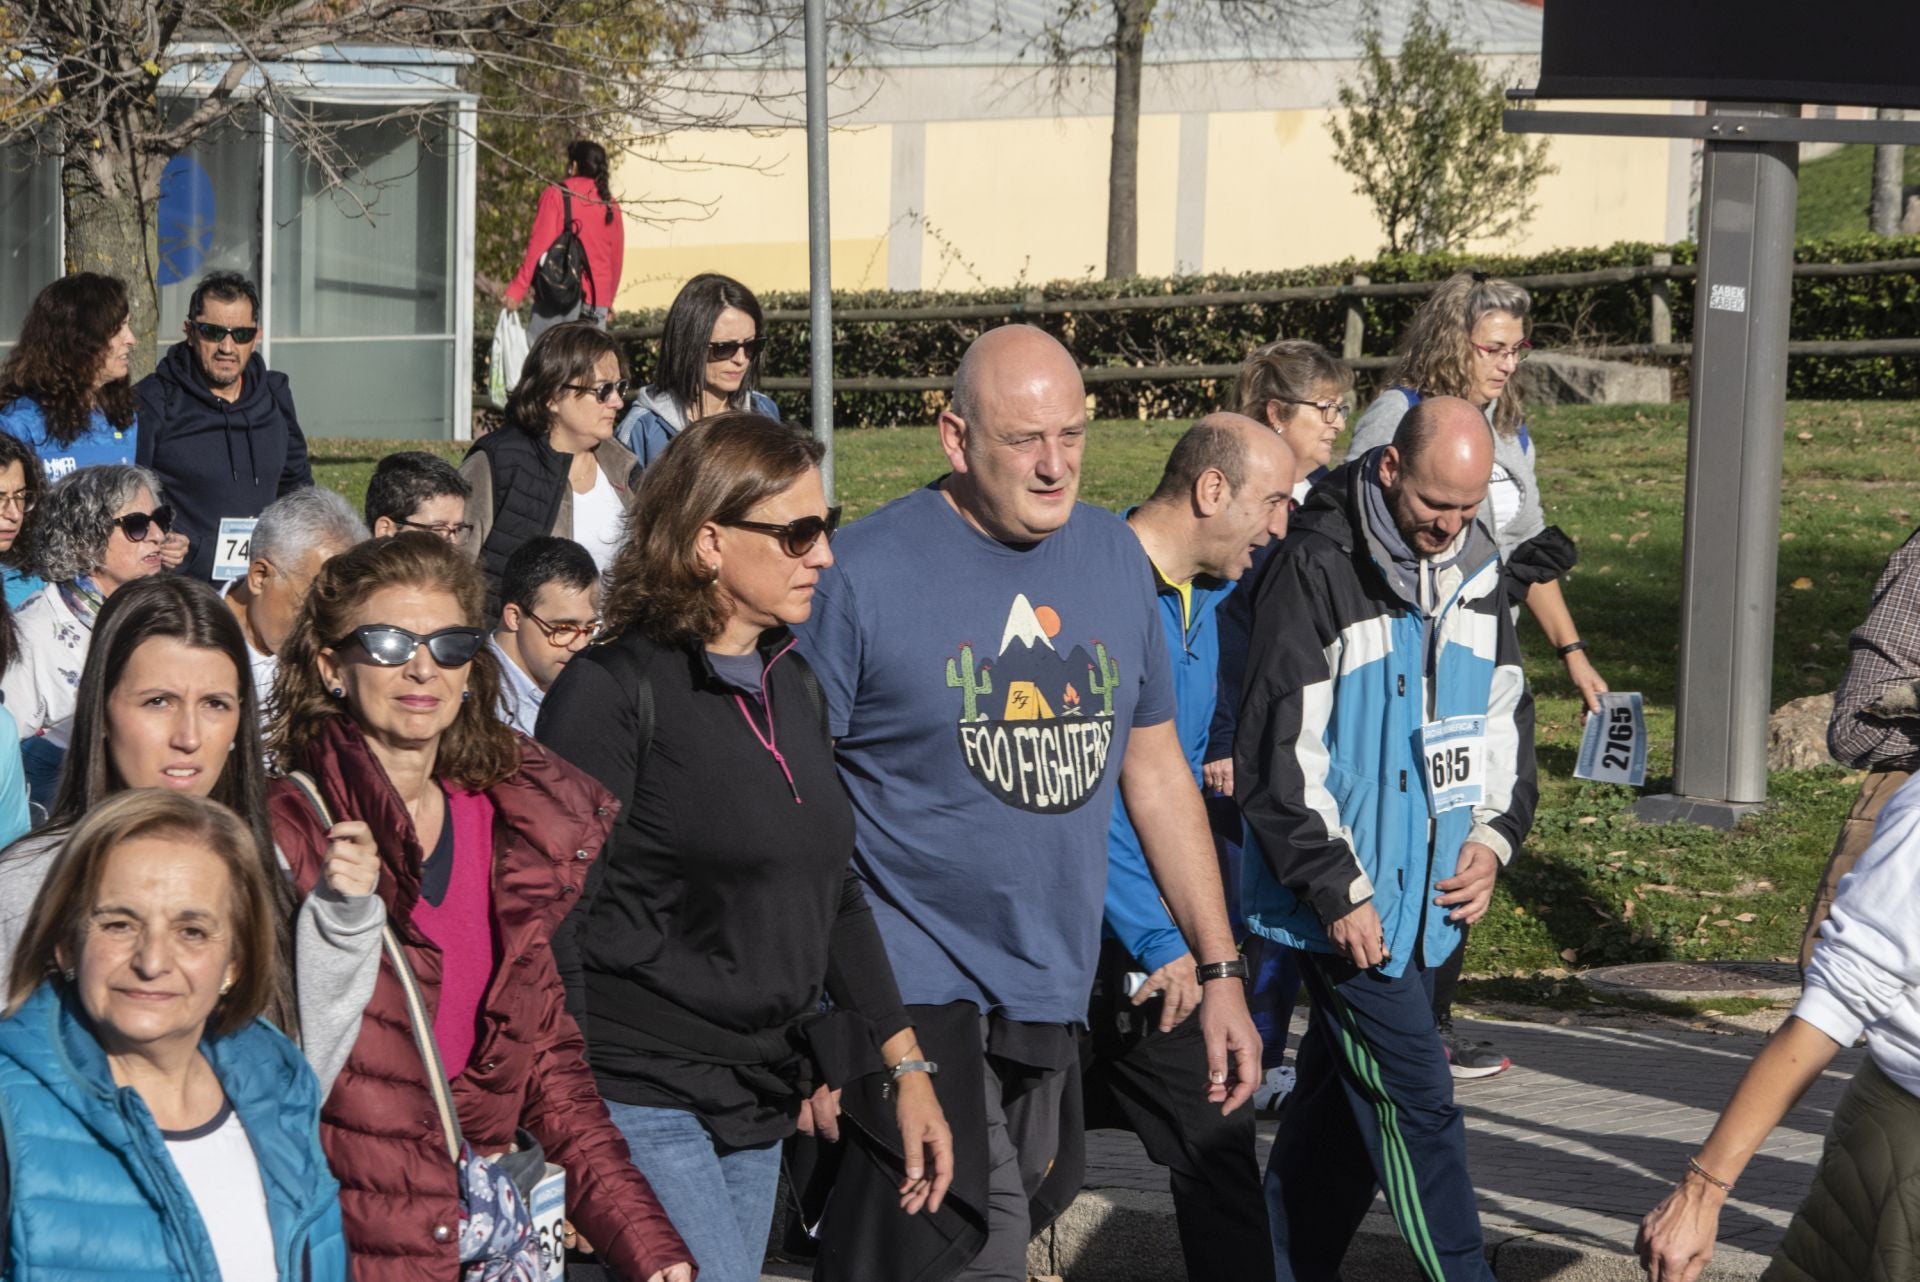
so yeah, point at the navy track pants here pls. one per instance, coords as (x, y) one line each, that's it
(1373, 1108)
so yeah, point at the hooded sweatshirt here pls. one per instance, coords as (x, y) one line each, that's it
(657, 417)
(218, 458)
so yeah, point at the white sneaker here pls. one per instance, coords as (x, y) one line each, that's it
(1277, 1085)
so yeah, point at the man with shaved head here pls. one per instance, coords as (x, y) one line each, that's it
(995, 672)
(1223, 496)
(1384, 764)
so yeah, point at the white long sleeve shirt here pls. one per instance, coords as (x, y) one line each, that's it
(1865, 975)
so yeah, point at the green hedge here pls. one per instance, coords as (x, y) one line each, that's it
(1843, 307)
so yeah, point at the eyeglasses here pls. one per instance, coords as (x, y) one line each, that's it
(602, 392)
(242, 334)
(1518, 351)
(21, 499)
(566, 635)
(451, 533)
(137, 525)
(796, 537)
(717, 352)
(1331, 412)
(390, 646)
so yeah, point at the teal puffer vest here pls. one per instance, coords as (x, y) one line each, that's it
(94, 1194)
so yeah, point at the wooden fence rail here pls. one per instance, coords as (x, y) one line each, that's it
(1657, 274)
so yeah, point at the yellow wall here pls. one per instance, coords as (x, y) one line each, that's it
(1023, 200)
(735, 201)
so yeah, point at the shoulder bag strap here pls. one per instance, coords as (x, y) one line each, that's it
(417, 1018)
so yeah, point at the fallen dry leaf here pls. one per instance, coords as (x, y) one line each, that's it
(1802, 583)
(1744, 917)
(1569, 954)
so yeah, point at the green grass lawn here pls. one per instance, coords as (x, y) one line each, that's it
(1834, 191)
(1594, 886)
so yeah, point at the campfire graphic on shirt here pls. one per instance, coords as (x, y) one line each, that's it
(1034, 724)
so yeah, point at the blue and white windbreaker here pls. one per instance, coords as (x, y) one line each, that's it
(1340, 677)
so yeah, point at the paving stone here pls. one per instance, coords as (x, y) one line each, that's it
(1568, 1150)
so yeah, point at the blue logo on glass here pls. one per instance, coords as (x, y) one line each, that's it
(186, 218)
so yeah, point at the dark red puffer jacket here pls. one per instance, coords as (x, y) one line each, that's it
(382, 1138)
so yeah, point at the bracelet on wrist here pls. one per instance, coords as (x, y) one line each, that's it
(1569, 648)
(1234, 969)
(906, 1066)
(1693, 1165)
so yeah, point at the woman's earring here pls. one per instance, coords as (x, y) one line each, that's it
(339, 692)
(227, 987)
(69, 974)
(466, 696)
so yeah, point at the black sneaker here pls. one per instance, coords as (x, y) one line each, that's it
(1470, 1060)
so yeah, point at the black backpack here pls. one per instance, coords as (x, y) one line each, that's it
(559, 282)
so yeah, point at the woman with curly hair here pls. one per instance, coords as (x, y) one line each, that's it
(101, 528)
(67, 390)
(22, 482)
(1469, 340)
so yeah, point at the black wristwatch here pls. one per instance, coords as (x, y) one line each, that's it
(1235, 969)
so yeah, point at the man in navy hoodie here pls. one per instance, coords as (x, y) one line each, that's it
(215, 424)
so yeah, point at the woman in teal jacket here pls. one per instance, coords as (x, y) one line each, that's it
(153, 1126)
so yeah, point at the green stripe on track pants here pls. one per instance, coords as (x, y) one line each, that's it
(1373, 1109)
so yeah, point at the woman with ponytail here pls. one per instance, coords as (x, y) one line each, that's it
(595, 220)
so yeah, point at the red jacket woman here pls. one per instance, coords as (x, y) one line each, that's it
(524, 1065)
(598, 224)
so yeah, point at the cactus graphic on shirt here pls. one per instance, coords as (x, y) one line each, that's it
(1104, 679)
(971, 687)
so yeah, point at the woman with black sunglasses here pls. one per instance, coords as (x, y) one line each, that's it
(387, 697)
(98, 528)
(726, 906)
(709, 361)
(554, 467)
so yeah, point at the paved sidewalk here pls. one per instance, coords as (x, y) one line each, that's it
(1568, 1150)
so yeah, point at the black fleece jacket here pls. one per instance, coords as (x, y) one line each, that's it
(218, 458)
(724, 904)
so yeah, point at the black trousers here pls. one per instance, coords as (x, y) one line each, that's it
(1136, 1078)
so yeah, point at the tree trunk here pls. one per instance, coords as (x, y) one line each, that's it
(110, 229)
(1123, 172)
(1889, 184)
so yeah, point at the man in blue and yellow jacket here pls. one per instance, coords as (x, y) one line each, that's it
(1385, 768)
(1222, 497)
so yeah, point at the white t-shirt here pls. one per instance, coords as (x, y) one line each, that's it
(596, 520)
(264, 666)
(217, 1163)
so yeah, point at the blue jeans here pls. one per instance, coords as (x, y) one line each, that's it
(720, 1200)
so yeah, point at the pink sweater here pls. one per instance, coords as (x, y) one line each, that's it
(461, 926)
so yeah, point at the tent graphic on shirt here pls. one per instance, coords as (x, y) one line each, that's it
(1035, 724)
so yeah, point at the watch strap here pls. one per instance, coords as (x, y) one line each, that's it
(1235, 969)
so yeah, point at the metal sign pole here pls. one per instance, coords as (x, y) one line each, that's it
(1736, 422)
(819, 242)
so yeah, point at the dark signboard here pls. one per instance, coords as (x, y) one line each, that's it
(1864, 52)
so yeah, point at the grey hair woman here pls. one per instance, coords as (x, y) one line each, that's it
(98, 529)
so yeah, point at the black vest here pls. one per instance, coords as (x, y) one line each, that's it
(529, 480)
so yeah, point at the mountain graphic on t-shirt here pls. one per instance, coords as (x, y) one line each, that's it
(1036, 725)
(1024, 626)
(1030, 666)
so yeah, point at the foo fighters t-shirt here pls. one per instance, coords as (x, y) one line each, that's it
(981, 696)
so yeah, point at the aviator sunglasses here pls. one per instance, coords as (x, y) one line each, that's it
(391, 646)
(242, 334)
(796, 537)
(136, 525)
